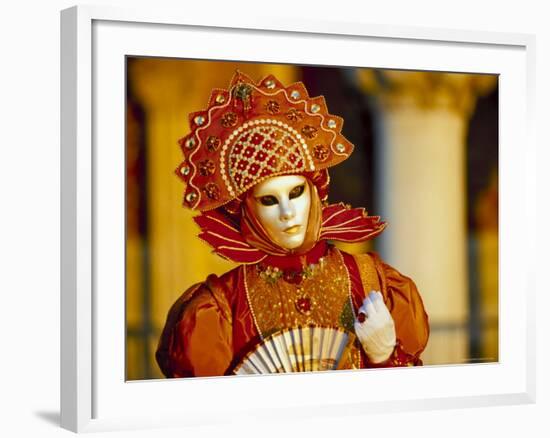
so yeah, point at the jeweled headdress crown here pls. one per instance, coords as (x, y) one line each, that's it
(254, 131)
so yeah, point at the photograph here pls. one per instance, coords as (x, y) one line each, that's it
(287, 218)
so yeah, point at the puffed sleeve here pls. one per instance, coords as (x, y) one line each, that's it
(197, 336)
(407, 309)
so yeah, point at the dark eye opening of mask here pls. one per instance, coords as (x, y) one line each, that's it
(268, 200)
(296, 191)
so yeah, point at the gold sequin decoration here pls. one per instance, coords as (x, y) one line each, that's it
(367, 272)
(213, 143)
(273, 304)
(212, 191)
(309, 131)
(294, 115)
(320, 152)
(207, 167)
(229, 120)
(272, 107)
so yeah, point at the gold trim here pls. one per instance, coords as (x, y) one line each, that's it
(227, 238)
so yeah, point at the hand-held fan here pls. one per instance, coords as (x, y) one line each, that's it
(299, 349)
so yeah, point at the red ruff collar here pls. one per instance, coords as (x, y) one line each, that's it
(339, 223)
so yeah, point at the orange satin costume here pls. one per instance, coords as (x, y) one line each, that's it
(251, 132)
(211, 327)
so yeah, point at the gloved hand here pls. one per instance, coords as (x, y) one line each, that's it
(375, 328)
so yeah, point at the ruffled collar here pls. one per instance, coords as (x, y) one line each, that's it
(297, 262)
(339, 222)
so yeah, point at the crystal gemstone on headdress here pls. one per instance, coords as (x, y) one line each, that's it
(190, 143)
(199, 120)
(243, 91)
(270, 83)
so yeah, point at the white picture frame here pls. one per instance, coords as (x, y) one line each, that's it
(94, 397)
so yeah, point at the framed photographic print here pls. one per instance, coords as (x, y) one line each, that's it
(337, 211)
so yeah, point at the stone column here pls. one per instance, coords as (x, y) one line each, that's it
(421, 120)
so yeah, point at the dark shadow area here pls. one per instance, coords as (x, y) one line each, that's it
(52, 417)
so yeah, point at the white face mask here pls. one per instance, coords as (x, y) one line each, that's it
(281, 204)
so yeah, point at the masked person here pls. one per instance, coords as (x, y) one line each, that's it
(255, 169)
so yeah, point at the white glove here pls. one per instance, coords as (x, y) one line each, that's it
(377, 332)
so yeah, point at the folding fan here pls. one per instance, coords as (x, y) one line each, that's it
(299, 349)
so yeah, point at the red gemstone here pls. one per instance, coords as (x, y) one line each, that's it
(249, 151)
(294, 277)
(361, 317)
(257, 139)
(303, 304)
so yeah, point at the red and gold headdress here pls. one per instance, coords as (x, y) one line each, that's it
(254, 131)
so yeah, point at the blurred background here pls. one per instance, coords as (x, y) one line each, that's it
(425, 159)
